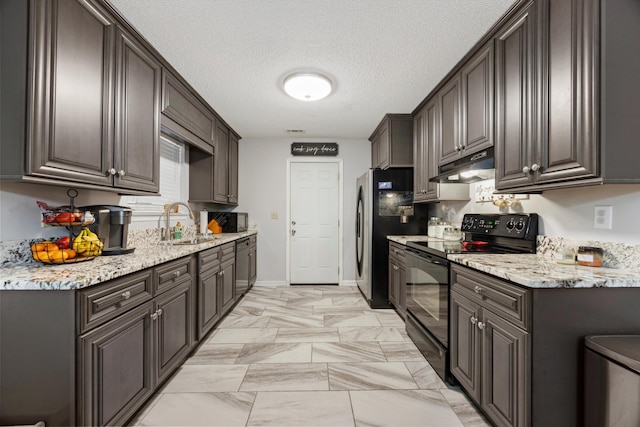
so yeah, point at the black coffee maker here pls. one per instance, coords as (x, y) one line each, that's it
(112, 226)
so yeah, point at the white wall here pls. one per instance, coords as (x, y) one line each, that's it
(569, 212)
(262, 189)
(20, 216)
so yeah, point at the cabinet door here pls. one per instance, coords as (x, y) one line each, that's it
(220, 181)
(71, 118)
(505, 371)
(208, 307)
(175, 328)
(393, 282)
(420, 179)
(253, 264)
(514, 101)
(449, 104)
(375, 151)
(233, 169)
(227, 285)
(569, 115)
(137, 124)
(432, 138)
(179, 104)
(115, 368)
(401, 289)
(384, 152)
(477, 102)
(465, 344)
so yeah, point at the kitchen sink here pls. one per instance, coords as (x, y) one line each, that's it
(193, 241)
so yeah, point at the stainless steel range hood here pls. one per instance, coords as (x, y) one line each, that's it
(472, 168)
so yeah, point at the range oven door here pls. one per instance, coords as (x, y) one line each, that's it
(427, 292)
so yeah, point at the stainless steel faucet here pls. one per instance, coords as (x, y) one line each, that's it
(167, 233)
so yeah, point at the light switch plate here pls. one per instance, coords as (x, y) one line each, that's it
(603, 217)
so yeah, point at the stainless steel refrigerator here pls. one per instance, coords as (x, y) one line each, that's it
(384, 207)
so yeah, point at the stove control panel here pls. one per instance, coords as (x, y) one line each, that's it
(519, 226)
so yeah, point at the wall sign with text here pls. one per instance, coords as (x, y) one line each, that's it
(314, 148)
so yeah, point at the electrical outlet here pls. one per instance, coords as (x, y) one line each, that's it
(274, 215)
(603, 217)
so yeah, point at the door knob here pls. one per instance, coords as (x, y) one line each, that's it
(293, 223)
(293, 232)
(525, 169)
(535, 167)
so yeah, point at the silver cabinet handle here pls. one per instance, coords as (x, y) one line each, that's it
(154, 316)
(525, 169)
(159, 312)
(293, 223)
(293, 232)
(477, 289)
(111, 171)
(126, 295)
(535, 167)
(221, 273)
(121, 172)
(176, 273)
(473, 320)
(481, 325)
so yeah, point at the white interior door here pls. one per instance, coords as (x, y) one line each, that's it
(314, 222)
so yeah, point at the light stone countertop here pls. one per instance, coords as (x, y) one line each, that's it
(535, 271)
(404, 239)
(540, 270)
(38, 276)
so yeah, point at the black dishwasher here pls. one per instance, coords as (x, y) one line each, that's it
(242, 267)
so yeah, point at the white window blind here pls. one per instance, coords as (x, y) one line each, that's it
(173, 181)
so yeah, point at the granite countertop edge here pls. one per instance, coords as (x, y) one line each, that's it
(535, 271)
(38, 276)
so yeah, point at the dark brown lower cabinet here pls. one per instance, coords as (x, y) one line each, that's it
(123, 361)
(489, 354)
(216, 285)
(397, 277)
(175, 332)
(116, 368)
(228, 284)
(208, 307)
(253, 257)
(519, 352)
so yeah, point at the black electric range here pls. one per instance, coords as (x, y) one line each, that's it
(427, 277)
(489, 233)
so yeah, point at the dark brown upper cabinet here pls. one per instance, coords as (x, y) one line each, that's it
(581, 121)
(214, 178)
(184, 115)
(515, 60)
(391, 142)
(466, 105)
(426, 136)
(448, 100)
(92, 110)
(476, 123)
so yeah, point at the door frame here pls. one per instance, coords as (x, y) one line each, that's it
(290, 161)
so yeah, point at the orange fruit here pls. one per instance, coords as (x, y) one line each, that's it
(57, 256)
(71, 254)
(41, 256)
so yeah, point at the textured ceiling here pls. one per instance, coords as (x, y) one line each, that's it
(384, 56)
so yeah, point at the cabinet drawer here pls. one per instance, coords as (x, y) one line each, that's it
(101, 303)
(209, 260)
(228, 251)
(172, 273)
(396, 251)
(504, 299)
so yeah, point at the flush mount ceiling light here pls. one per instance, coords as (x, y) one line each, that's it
(307, 86)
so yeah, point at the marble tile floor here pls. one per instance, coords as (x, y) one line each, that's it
(308, 356)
